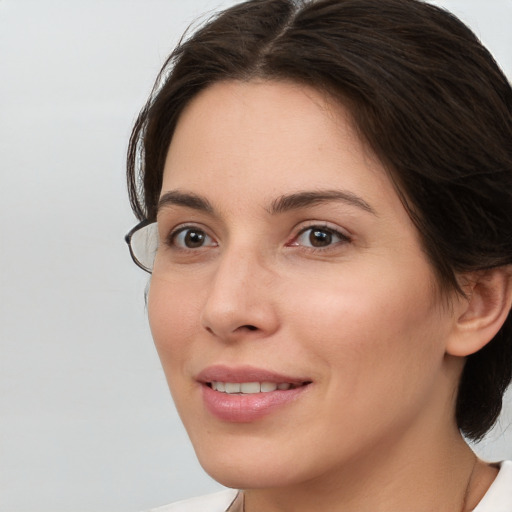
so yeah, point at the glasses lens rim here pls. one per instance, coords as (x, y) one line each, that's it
(128, 239)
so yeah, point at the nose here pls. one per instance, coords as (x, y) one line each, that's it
(240, 299)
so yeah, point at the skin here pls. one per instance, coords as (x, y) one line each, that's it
(361, 317)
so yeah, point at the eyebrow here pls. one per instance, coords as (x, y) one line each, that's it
(186, 199)
(281, 204)
(307, 199)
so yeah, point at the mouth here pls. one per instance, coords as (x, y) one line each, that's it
(247, 394)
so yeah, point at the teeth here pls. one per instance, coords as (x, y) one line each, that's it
(268, 386)
(249, 387)
(232, 387)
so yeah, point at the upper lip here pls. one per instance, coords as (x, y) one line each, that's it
(221, 373)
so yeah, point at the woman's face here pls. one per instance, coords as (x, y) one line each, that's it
(295, 314)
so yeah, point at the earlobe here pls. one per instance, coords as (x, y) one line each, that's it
(483, 311)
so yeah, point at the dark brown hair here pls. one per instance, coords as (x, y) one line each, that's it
(426, 96)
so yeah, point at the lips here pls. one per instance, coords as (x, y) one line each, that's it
(247, 394)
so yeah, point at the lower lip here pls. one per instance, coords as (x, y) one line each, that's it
(239, 408)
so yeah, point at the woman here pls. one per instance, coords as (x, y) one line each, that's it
(326, 187)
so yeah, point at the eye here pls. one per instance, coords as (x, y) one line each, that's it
(319, 237)
(191, 238)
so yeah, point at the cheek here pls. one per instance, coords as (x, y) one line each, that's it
(379, 350)
(173, 318)
(372, 327)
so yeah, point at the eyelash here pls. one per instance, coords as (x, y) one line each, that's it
(171, 240)
(331, 232)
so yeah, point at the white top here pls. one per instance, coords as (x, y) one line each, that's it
(497, 499)
(217, 502)
(499, 496)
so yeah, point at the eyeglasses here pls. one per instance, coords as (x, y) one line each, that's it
(143, 243)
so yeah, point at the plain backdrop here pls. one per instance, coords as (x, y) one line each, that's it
(86, 421)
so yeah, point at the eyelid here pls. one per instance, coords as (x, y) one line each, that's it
(327, 226)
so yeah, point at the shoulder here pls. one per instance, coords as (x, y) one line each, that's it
(499, 496)
(217, 502)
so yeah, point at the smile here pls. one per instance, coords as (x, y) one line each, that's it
(244, 394)
(249, 388)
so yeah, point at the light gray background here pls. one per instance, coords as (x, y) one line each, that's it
(86, 422)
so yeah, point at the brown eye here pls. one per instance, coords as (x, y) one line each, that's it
(191, 238)
(320, 237)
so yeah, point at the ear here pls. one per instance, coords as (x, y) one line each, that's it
(480, 315)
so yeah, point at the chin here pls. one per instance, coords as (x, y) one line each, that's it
(248, 476)
(250, 469)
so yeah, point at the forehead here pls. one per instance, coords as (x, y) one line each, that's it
(265, 138)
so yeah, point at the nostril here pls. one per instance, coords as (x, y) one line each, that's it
(241, 328)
